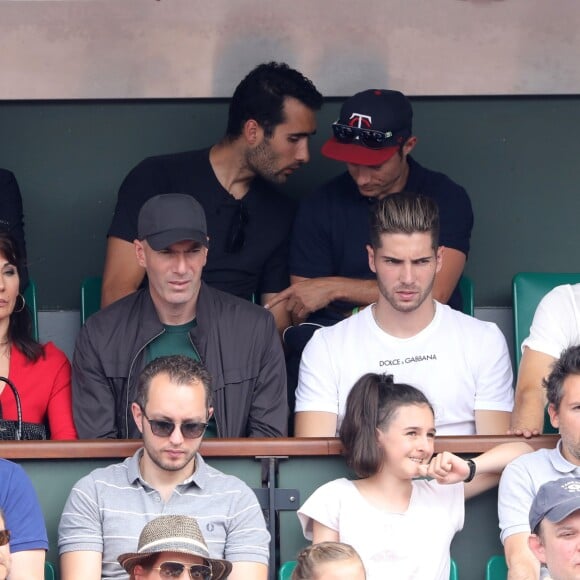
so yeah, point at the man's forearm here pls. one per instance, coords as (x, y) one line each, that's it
(354, 290)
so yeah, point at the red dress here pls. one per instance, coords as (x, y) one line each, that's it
(45, 391)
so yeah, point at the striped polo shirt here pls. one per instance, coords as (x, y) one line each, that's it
(107, 509)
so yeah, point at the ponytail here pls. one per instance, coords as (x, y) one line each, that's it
(371, 404)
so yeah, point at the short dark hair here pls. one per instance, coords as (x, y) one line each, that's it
(310, 558)
(404, 213)
(20, 324)
(260, 96)
(181, 369)
(568, 364)
(371, 404)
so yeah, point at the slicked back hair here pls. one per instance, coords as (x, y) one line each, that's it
(260, 96)
(180, 369)
(371, 404)
(568, 364)
(316, 555)
(404, 213)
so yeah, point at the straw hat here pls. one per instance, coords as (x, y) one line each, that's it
(173, 533)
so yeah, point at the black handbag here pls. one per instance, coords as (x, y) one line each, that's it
(19, 430)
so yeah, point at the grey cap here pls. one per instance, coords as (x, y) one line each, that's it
(170, 218)
(555, 501)
(178, 534)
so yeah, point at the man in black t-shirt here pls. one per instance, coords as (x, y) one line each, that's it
(271, 118)
(329, 267)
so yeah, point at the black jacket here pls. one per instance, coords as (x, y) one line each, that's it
(236, 340)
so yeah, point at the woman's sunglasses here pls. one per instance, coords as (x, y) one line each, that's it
(4, 537)
(175, 570)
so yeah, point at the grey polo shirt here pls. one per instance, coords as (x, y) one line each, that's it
(107, 509)
(520, 482)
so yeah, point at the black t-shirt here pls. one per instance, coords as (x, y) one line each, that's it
(331, 230)
(261, 265)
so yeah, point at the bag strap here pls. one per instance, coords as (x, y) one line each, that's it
(18, 406)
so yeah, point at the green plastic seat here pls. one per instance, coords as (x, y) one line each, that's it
(90, 297)
(496, 568)
(528, 290)
(49, 573)
(467, 295)
(453, 571)
(30, 298)
(285, 572)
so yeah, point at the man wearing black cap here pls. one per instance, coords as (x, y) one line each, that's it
(329, 268)
(555, 523)
(179, 314)
(271, 118)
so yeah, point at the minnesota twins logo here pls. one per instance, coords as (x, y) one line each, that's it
(360, 121)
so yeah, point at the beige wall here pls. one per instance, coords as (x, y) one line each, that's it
(200, 48)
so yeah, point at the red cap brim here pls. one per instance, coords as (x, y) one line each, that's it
(357, 154)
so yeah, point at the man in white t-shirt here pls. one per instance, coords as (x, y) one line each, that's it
(556, 326)
(461, 363)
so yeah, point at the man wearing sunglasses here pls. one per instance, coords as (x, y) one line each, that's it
(179, 314)
(328, 262)
(271, 119)
(107, 510)
(24, 523)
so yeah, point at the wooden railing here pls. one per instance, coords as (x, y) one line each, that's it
(113, 448)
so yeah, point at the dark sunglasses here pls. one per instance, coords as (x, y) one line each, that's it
(166, 428)
(4, 537)
(237, 232)
(367, 137)
(175, 570)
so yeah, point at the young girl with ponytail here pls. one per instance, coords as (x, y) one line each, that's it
(403, 512)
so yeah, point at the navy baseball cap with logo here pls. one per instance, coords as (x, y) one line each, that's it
(555, 500)
(170, 218)
(371, 127)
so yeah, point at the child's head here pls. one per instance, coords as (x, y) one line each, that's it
(329, 561)
(372, 404)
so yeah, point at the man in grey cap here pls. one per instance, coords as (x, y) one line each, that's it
(555, 523)
(179, 314)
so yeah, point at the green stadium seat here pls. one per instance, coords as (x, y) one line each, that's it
(467, 295)
(528, 290)
(496, 568)
(49, 573)
(90, 297)
(30, 298)
(453, 571)
(285, 572)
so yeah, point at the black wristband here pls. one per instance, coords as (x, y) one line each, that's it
(472, 467)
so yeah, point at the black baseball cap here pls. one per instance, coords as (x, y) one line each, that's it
(170, 218)
(389, 112)
(555, 500)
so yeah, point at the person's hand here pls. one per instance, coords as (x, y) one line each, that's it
(446, 468)
(523, 431)
(304, 297)
(5, 561)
